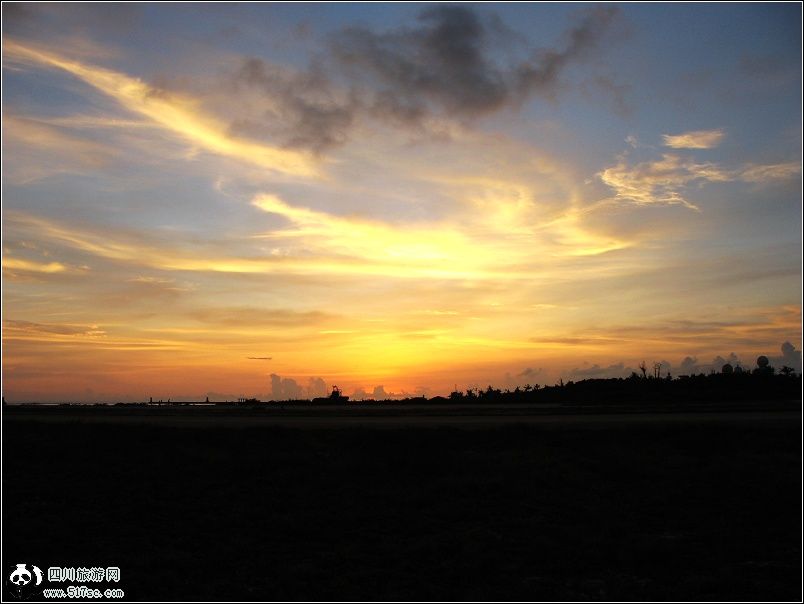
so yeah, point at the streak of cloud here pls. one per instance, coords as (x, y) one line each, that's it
(20, 264)
(42, 150)
(177, 114)
(33, 328)
(697, 139)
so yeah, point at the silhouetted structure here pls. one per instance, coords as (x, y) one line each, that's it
(763, 366)
(337, 396)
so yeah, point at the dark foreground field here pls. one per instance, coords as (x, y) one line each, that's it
(658, 510)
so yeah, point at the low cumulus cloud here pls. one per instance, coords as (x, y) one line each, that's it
(530, 372)
(316, 387)
(719, 362)
(285, 388)
(617, 370)
(379, 393)
(691, 365)
(360, 394)
(790, 357)
(446, 64)
(529, 375)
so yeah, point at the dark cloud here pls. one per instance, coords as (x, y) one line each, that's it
(310, 112)
(448, 62)
(16, 14)
(609, 89)
(541, 73)
(260, 358)
(444, 60)
(72, 18)
(451, 62)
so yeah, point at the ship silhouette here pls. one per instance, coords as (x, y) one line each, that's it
(336, 397)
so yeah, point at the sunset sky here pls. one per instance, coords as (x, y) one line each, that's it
(265, 200)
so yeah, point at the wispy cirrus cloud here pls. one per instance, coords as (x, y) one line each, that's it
(316, 243)
(19, 328)
(177, 114)
(244, 316)
(657, 182)
(42, 150)
(695, 139)
(664, 181)
(766, 173)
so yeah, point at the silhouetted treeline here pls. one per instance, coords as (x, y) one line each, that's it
(715, 387)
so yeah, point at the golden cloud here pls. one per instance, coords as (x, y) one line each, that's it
(696, 139)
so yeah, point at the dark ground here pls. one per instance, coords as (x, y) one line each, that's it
(679, 510)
